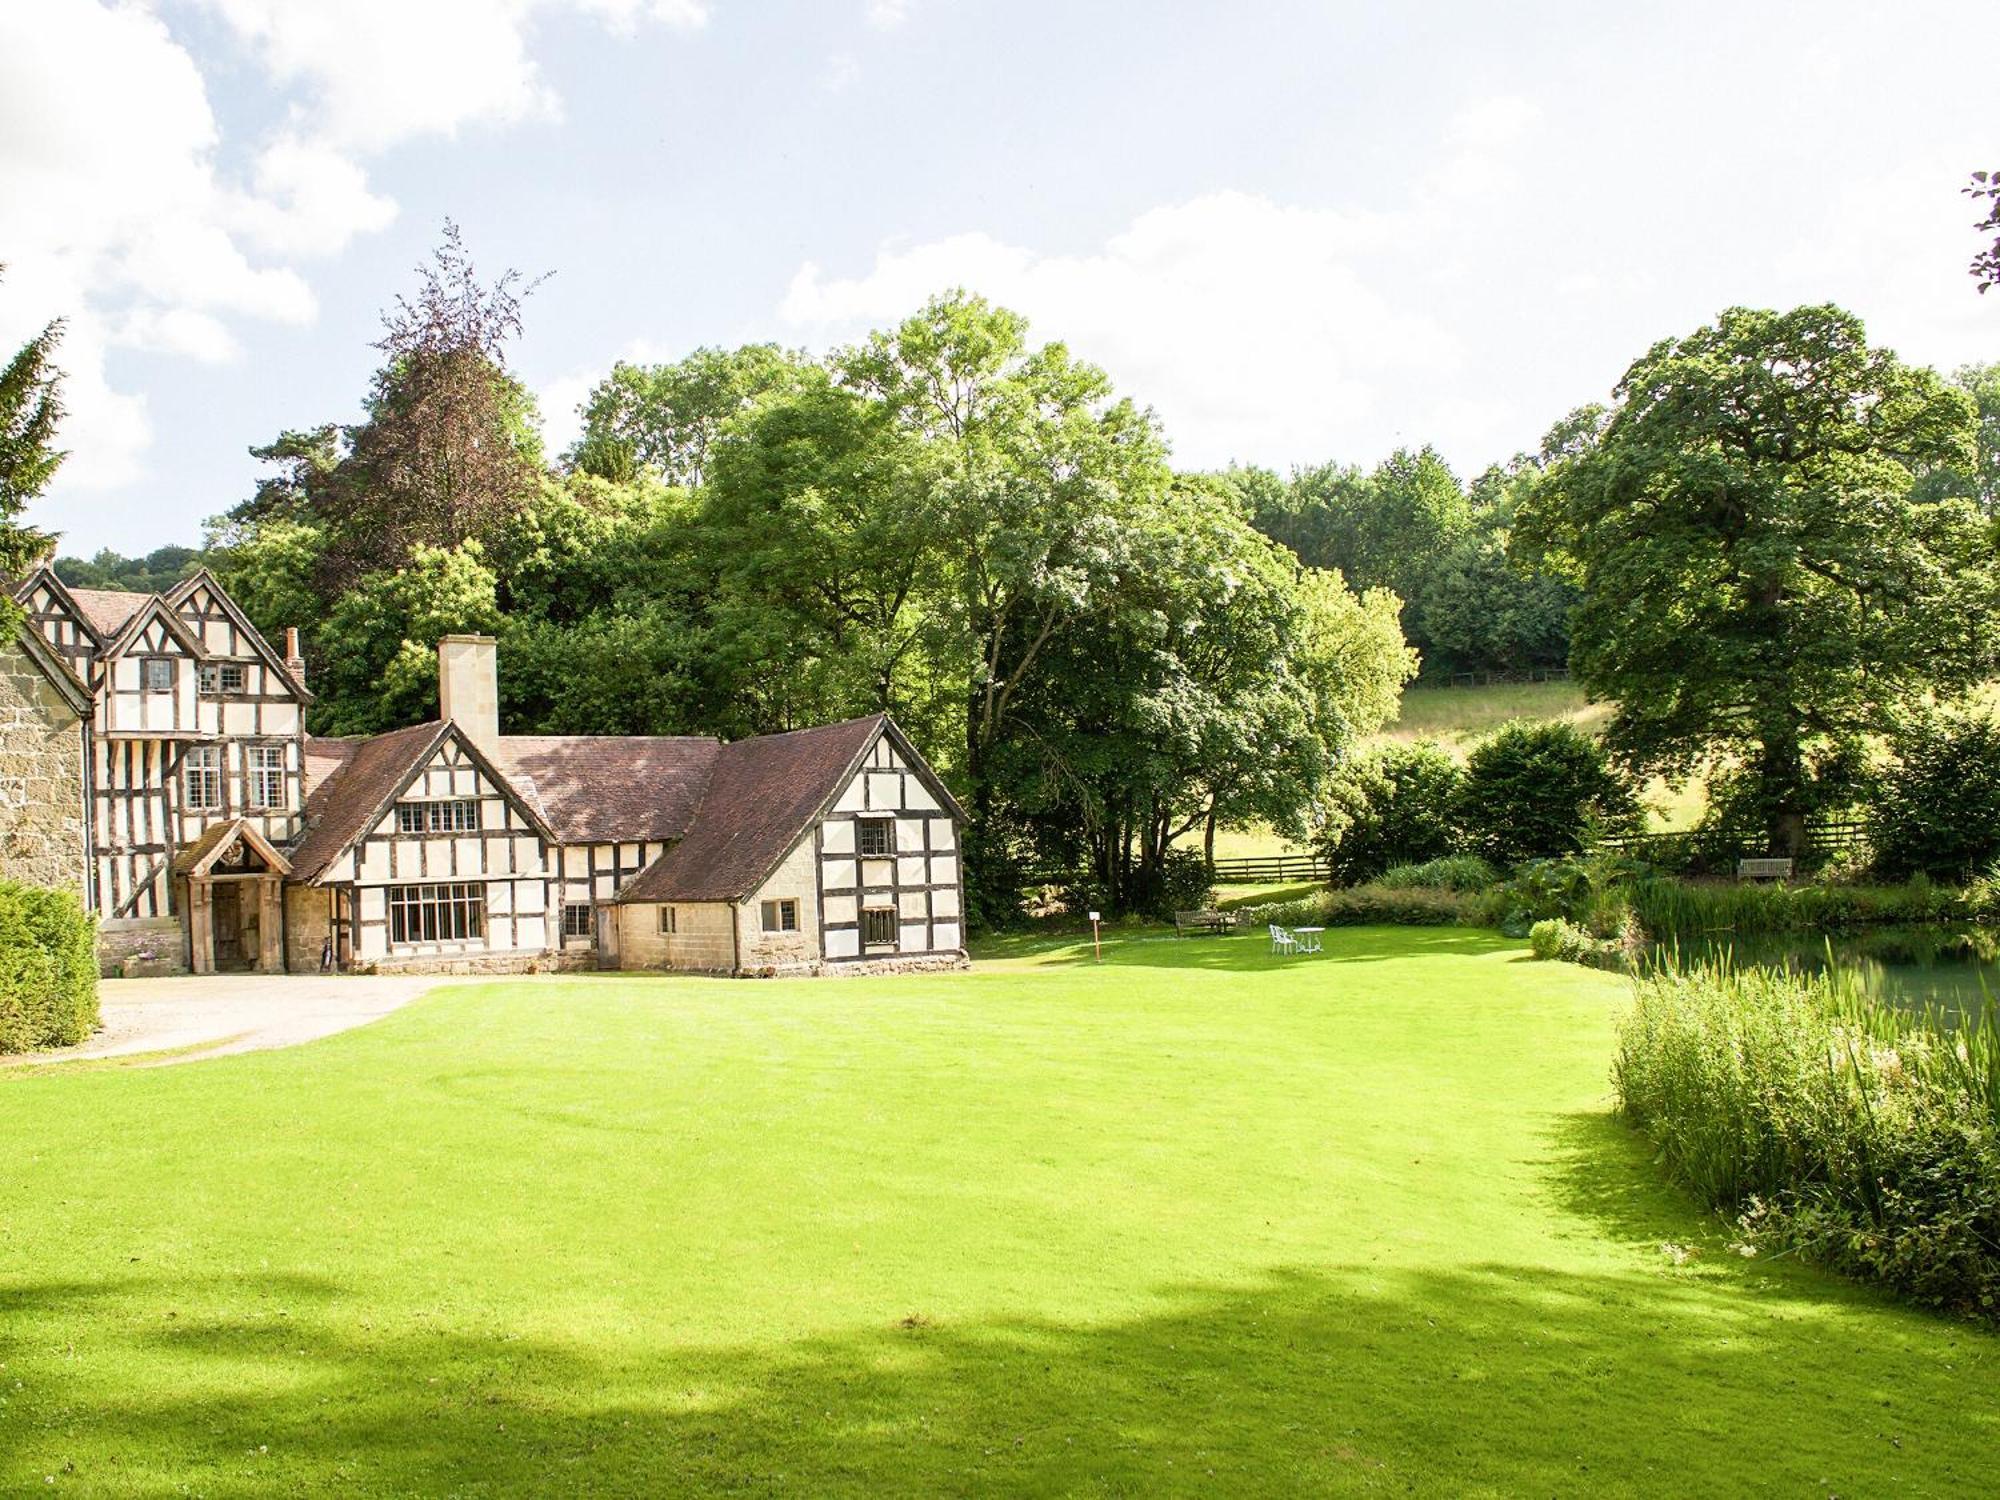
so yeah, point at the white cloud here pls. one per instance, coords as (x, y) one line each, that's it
(1258, 330)
(886, 15)
(843, 71)
(379, 72)
(113, 217)
(117, 215)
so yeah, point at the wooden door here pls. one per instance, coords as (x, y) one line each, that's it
(226, 920)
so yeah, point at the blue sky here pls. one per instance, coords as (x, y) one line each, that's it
(1299, 231)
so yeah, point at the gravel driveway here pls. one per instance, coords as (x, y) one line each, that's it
(216, 1014)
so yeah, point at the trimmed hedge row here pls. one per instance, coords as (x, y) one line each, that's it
(48, 968)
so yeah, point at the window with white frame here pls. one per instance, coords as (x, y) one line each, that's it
(221, 677)
(875, 837)
(878, 927)
(266, 772)
(576, 919)
(460, 815)
(157, 674)
(445, 913)
(781, 916)
(201, 777)
(668, 923)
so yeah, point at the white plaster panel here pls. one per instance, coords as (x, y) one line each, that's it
(851, 797)
(920, 796)
(944, 903)
(468, 852)
(944, 869)
(945, 934)
(373, 903)
(915, 938)
(909, 835)
(943, 835)
(837, 836)
(910, 870)
(911, 904)
(884, 790)
(843, 944)
(876, 872)
(840, 909)
(500, 897)
(838, 875)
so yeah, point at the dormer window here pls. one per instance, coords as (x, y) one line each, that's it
(156, 674)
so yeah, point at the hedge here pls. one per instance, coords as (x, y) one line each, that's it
(48, 968)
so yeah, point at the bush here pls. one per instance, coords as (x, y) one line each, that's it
(1849, 1131)
(1455, 872)
(1398, 806)
(1589, 893)
(1370, 906)
(1547, 937)
(1540, 791)
(1937, 811)
(48, 968)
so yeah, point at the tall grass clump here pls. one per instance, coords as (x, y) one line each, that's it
(1452, 872)
(1858, 1135)
(1680, 910)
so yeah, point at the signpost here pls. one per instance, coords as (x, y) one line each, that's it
(1096, 938)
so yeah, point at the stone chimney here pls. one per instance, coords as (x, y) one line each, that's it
(294, 662)
(469, 686)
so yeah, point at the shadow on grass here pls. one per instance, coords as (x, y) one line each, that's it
(1487, 1378)
(1497, 1378)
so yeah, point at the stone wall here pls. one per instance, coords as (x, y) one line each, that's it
(123, 938)
(700, 942)
(784, 952)
(41, 779)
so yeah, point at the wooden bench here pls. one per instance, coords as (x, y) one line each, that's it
(1763, 869)
(1204, 921)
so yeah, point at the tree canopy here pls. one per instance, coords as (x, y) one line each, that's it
(1757, 576)
(30, 411)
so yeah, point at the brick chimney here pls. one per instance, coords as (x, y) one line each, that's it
(294, 662)
(469, 686)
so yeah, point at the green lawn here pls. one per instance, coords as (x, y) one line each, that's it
(1197, 1221)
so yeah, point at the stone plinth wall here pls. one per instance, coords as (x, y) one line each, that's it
(41, 779)
(119, 939)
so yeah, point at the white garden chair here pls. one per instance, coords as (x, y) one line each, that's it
(1282, 941)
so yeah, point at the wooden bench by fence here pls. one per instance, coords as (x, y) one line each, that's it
(1763, 869)
(1204, 921)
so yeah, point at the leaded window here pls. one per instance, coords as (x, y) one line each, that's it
(267, 775)
(460, 815)
(878, 927)
(201, 777)
(445, 913)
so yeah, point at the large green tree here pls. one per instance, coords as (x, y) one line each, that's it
(1758, 579)
(30, 411)
(667, 417)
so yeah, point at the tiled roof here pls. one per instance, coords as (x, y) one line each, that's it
(604, 789)
(340, 809)
(325, 755)
(762, 795)
(108, 610)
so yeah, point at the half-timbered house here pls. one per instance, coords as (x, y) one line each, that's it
(218, 826)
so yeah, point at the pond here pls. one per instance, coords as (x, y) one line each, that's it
(1947, 970)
